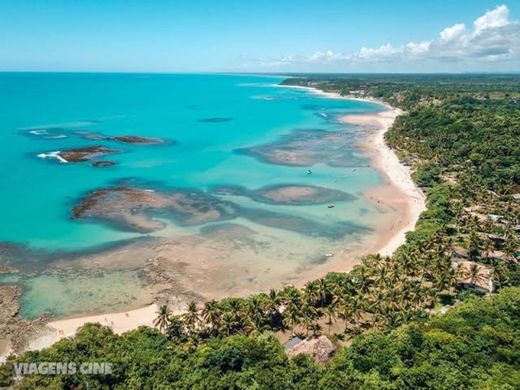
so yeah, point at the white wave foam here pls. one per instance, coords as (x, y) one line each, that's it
(39, 132)
(55, 154)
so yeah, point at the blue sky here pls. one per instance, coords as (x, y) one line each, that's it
(251, 35)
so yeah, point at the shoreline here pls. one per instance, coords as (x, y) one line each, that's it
(398, 193)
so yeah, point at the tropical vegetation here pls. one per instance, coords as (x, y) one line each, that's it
(460, 135)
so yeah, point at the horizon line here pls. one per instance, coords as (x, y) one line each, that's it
(517, 72)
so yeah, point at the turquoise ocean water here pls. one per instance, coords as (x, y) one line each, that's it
(37, 194)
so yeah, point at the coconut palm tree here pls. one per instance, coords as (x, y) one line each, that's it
(191, 317)
(175, 328)
(474, 274)
(322, 292)
(361, 279)
(316, 329)
(474, 244)
(163, 318)
(255, 311)
(330, 311)
(237, 314)
(357, 307)
(272, 301)
(292, 307)
(211, 314)
(227, 324)
(272, 306)
(307, 317)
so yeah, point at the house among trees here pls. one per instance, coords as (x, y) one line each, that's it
(292, 342)
(498, 255)
(458, 252)
(474, 275)
(319, 348)
(497, 239)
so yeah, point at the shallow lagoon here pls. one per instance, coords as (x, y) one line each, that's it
(41, 113)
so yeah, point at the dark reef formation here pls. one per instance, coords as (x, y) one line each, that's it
(90, 153)
(15, 331)
(85, 153)
(137, 209)
(103, 163)
(215, 120)
(134, 139)
(133, 209)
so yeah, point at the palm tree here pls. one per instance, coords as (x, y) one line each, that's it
(163, 318)
(474, 274)
(293, 304)
(322, 292)
(316, 329)
(227, 324)
(272, 301)
(211, 314)
(255, 311)
(310, 292)
(307, 317)
(331, 313)
(511, 244)
(345, 310)
(474, 244)
(239, 318)
(415, 292)
(175, 328)
(191, 317)
(291, 316)
(500, 275)
(356, 309)
(271, 306)
(361, 279)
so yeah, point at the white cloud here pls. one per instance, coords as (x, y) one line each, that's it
(417, 48)
(493, 37)
(453, 32)
(492, 19)
(383, 52)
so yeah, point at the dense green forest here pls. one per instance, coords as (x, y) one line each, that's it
(460, 135)
(474, 346)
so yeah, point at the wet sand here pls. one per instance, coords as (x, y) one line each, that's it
(222, 276)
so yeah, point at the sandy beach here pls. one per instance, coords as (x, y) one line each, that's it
(399, 191)
(398, 194)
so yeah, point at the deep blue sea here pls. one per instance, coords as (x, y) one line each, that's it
(205, 119)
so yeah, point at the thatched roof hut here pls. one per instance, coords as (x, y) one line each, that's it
(320, 348)
(483, 280)
(459, 253)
